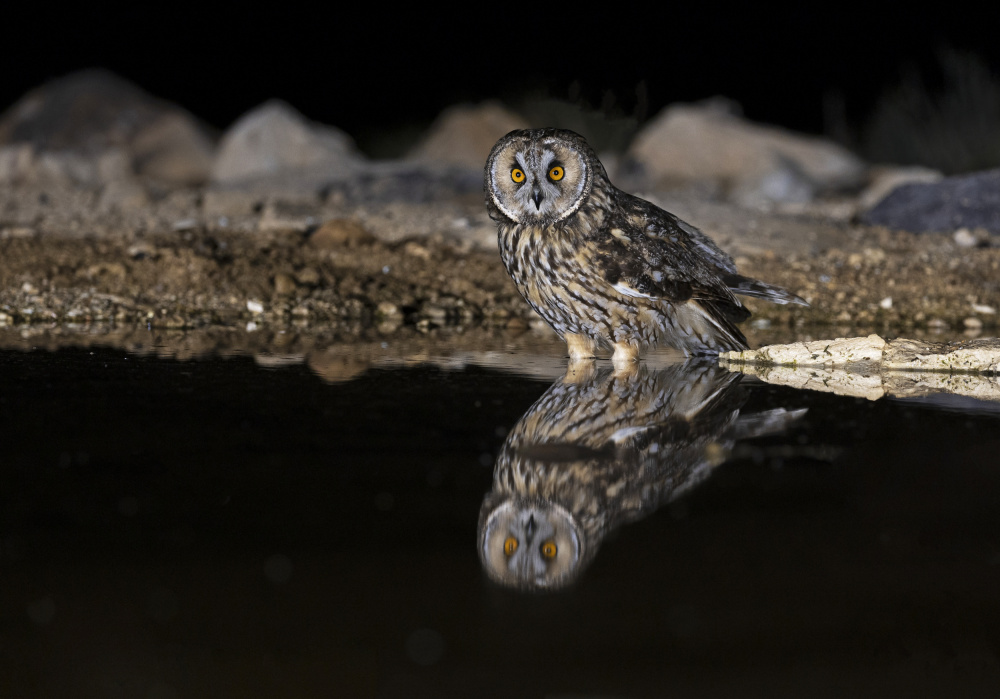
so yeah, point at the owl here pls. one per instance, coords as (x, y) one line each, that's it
(602, 449)
(604, 268)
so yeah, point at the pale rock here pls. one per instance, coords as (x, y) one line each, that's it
(838, 352)
(274, 140)
(905, 368)
(706, 142)
(464, 134)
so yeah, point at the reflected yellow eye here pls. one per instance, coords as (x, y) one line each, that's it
(517, 174)
(556, 173)
(549, 549)
(510, 543)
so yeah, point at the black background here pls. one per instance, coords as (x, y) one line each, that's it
(367, 69)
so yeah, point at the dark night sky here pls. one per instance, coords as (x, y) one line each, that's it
(381, 71)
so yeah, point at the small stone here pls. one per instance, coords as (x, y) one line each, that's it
(142, 250)
(340, 232)
(964, 239)
(885, 303)
(517, 324)
(388, 310)
(17, 232)
(308, 276)
(937, 323)
(973, 323)
(986, 310)
(255, 306)
(284, 284)
(436, 314)
(417, 250)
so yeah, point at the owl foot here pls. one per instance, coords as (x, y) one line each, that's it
(579, 346)
(626, 357)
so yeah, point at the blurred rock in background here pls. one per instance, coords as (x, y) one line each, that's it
(953, 203)
(92, 127)
(93, 154)
(710, 144)
(464, 134)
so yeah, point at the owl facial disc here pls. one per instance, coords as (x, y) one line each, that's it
(537, 177)
(531, 544)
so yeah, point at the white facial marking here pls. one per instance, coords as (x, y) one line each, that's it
(622, 288)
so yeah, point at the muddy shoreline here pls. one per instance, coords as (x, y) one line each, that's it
(866, 278)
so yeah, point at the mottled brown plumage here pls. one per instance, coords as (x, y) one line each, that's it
(604, 268)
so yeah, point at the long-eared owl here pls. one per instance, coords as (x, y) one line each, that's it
(604, 268)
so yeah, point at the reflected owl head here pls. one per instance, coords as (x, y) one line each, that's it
(540, 176)
(530, 543)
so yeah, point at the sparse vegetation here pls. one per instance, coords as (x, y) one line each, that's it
(954, 127)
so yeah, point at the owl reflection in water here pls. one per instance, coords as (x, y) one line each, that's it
(606, 269)
(597, 451)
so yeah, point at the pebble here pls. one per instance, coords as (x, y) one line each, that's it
(308, 276)
(284, 284)
(972, 323)
(435, 313)
(255, 306)
(964, 239)
(340, 232)
(387, 310)
(886, 303)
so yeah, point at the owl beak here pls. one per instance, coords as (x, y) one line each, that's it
(530, 528)
(537, 195)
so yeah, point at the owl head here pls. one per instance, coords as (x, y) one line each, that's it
(540, 176)
(530, 543)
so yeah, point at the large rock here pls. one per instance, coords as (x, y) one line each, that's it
(275, 141)
(463, 135)
(64, 128)
(966, 201)
(707, 142)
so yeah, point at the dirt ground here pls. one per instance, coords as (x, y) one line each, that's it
(857, 279)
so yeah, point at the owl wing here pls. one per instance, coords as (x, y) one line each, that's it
(645, 251)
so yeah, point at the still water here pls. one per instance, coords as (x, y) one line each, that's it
(438, 528)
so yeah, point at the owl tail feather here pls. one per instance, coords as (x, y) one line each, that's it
(745, 286)
(714, 328)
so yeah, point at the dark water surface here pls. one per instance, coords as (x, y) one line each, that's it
(218, 529)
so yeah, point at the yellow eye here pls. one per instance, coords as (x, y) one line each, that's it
(510, 543)
(517, 174)
(556, 173)
(549, 549)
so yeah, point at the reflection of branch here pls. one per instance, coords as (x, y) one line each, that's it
(870, 367)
